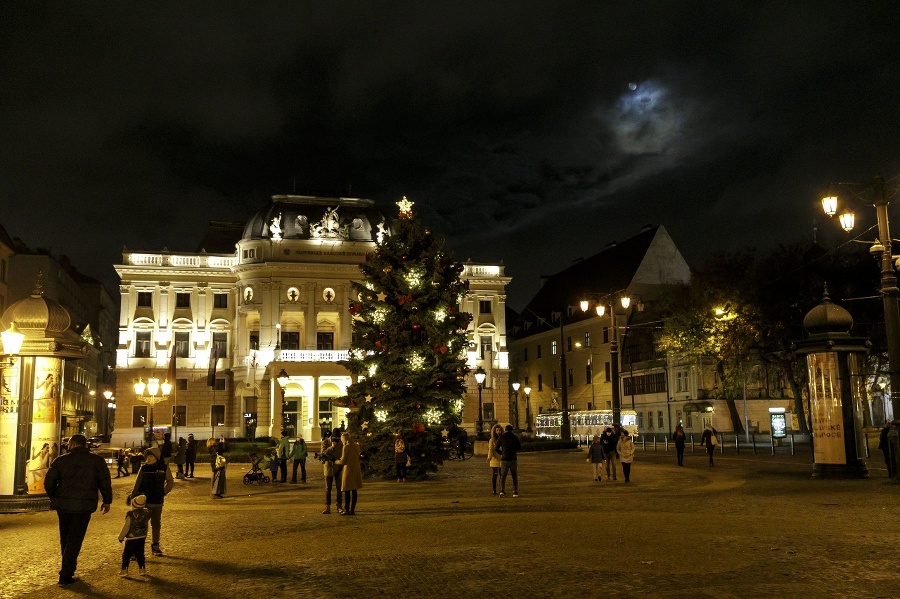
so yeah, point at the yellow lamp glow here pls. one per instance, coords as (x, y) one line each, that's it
(829, 205)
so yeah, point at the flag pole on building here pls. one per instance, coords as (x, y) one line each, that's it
(170, 378)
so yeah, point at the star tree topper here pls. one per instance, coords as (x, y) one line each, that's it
(405, 207)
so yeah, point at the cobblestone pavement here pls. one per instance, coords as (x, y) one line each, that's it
(753, 526)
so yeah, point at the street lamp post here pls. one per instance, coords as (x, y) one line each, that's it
(881, 250)
(565, 429)
(282, 379)
(515, 387)
(479, 378)
(608, 301)
(527, 409)
(107, 395)
(151, 393)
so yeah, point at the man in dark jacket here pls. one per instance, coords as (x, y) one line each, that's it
(154, 480)
(72, 483)
(509, 449)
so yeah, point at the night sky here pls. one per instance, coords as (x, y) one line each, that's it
(532, 133)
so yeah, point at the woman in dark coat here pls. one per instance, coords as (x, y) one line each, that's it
(218, 465)
(190, 457)
(679, 438)
(710, 440)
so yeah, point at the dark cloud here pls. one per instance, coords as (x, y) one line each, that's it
(512, 125)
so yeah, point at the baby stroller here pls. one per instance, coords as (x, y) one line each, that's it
(256, 473)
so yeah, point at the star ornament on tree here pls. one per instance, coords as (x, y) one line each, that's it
(368, 398)
(445, 433)
(405, 207)
(381, 297)
(365, 425)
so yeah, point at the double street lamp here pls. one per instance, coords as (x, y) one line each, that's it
(480, 375)
(604, 302)
(151, 393)
(881, 250)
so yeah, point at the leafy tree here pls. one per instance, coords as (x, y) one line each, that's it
(762, 303)
(408, 350)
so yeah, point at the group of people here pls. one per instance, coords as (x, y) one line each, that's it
(609, 450)
(73, 481)
(283, 453)
(183, 455)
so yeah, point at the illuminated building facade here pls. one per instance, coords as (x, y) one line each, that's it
(264, 299)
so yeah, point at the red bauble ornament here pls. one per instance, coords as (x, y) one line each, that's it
(416, 326)
(450, 310)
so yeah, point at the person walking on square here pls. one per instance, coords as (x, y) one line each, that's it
(121, 469)
(190, 456)
(299, 454)
(509, 462)
(595, 457)
(154, 481)
(400, 457)
(134, 534)
(609, 441)
(72, 484)
(679, 438)
(351, 473)
(494, 456)
(710, 440)
(218, 464)
(332, 448)
(284, 450)
(179, 458)
(625, 448)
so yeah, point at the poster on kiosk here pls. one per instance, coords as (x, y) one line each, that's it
(44, 422)
(9, 420)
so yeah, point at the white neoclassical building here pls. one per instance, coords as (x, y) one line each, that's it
(264, 300)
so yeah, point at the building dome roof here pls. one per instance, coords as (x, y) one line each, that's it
(38, 313)
(309, 217)
(828, 319)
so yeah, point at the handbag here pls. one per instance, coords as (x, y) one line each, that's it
(220, 461)
(408, 462)
(713, 441)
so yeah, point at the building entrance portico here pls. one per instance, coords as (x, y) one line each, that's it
(307, 406)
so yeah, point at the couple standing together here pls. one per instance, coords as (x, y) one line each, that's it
(503, 449)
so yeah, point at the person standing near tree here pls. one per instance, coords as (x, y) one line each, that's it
(679, 438)
(299, 454)
(332, 448)
(610, 457)
(72, 483)
(509, 460)
(625, 448)
(710, 440)
(351, 473)
(400, 457)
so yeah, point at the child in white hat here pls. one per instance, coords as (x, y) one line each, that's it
(134, 534)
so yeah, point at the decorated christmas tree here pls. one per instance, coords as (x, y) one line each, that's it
(409, 346)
